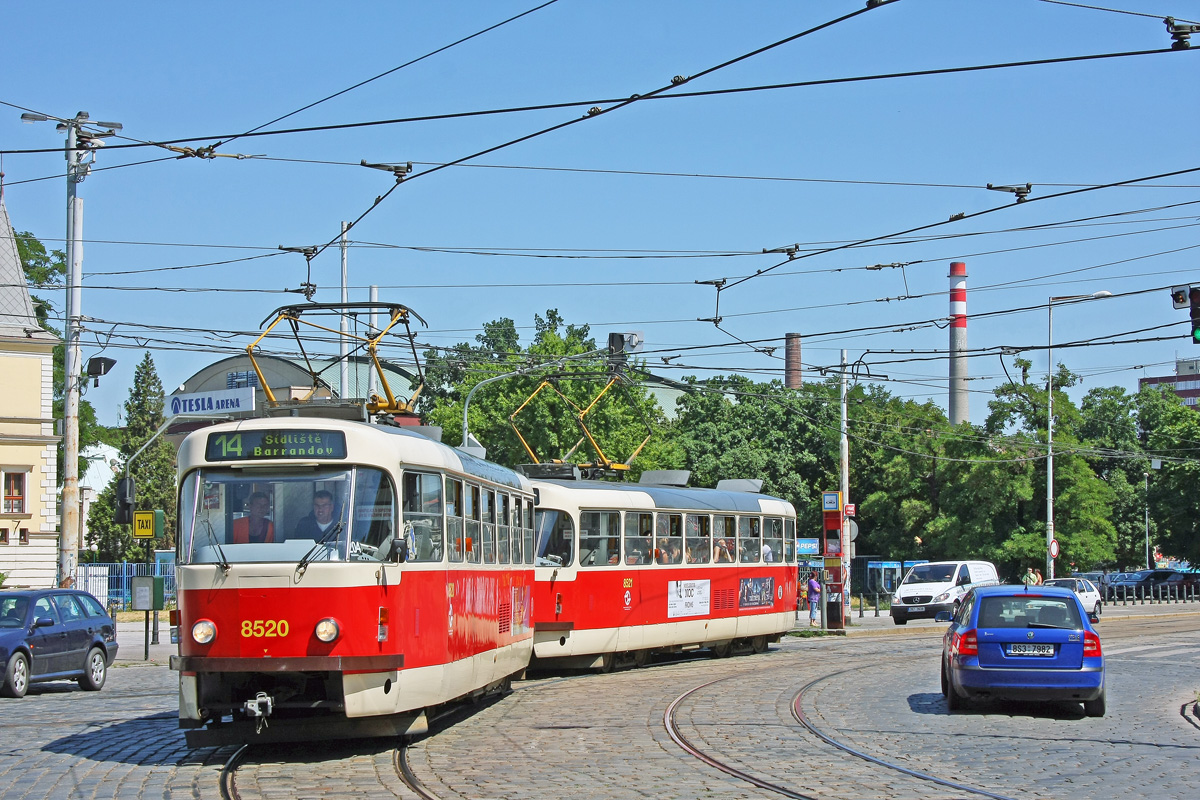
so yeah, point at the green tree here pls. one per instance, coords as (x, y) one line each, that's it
(153, 472)
(732, 427)
(47, 270)
(563, 372)
(1171, 431)
(1082, 501)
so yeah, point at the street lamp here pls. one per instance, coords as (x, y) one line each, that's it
(81, 142)
(1146, 475)
(1050, 418)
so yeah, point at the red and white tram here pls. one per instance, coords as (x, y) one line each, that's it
(337, 578)
(624, 570)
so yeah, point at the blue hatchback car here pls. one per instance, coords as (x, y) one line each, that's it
(1022, 643)
(53, 635)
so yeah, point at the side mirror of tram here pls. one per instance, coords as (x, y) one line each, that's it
(399, 552)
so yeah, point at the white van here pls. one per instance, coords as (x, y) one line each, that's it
(938, 586)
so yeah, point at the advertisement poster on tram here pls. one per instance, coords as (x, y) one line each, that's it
(687, 599)
(757, 593)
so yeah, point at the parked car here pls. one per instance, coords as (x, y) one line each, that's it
(52, 635)
(936, 586)
(1138, 584)
(1182, 583)
(1022, 643)
(1084, 589)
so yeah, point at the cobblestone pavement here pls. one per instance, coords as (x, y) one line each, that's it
(603, 735)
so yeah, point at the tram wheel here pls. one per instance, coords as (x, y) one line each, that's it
(640, 657)
(724, 650)
(759, 644)
(606, 663)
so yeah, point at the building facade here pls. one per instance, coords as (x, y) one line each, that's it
(1185, 382)
(28, 445)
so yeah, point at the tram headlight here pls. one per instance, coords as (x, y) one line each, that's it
(327, 630)
(204, 631)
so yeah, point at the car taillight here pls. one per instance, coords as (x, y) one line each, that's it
(966, 643)
(1091, 645)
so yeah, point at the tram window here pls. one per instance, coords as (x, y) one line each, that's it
(789, 540)
(527, 529)
(772, 550)
(502, 518)
(517, 534)
(373, 525)
(697, 539)
(724, 539)
(423, 511)
(749, 539)
(471, 514)
(669, 538)
(487, 510)
(555, 538)
(599, 538)
(455, 530)
(639, 538)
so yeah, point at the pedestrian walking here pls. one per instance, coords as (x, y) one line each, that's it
(1029, 579)
(1037, 573)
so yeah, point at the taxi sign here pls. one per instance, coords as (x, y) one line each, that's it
(148, 524)
(831, 501)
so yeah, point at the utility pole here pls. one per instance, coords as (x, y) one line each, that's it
(343, 342)
(844, 469)
(80, 142)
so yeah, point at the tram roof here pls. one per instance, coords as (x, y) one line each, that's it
(674, 497)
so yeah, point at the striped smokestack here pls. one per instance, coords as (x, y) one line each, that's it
(959, 411)
(791, 361)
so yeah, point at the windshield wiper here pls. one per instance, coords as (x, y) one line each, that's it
(222, 562)
(302, 565)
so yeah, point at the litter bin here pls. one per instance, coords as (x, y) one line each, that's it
(834, 613)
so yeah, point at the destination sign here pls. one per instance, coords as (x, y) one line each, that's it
(261, 445)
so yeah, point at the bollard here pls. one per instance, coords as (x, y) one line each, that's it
(860, 605)
(877, 604)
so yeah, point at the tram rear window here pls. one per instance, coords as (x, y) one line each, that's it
(259, 445)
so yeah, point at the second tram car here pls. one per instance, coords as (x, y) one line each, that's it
(337, 578)
(624, 570)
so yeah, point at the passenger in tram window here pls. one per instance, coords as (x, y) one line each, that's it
(672, 556)
(722, 552)
(255, 527)
(767, 555)
(318, 523)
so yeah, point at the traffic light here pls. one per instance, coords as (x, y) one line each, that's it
(1194, 300)
(123, 513)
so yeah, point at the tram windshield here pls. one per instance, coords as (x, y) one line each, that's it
(555, 538)
(232, 516)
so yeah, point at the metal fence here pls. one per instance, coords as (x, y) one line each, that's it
(112, 583)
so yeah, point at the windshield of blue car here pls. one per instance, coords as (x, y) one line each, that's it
(1029, 611)
(930, 573)
(12, 611)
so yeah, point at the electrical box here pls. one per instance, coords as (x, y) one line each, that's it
(149, 593)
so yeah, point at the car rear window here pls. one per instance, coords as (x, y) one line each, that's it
(94, 609)
(1029, 611)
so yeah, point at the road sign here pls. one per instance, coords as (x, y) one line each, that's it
(853, 526)
(1054, 548)
(850, 509)
(148, 524)
(831, 501)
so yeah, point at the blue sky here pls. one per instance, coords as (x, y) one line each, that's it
(612, 220)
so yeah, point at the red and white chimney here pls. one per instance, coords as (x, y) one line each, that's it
(959, 411)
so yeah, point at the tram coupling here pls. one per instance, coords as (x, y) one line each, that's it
(259, 709)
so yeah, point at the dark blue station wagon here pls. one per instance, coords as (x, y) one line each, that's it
(51, 635)
(1022, 643)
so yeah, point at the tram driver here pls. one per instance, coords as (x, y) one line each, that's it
(317, 524)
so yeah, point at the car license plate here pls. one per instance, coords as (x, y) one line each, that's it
(1027, 649)
(916, 608)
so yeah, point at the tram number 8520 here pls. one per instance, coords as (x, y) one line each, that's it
(264, 628)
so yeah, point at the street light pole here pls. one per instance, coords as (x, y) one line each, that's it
(79, 143)
(1146, 476)
(1050, 418)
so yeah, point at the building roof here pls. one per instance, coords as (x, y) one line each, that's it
(17, 319)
